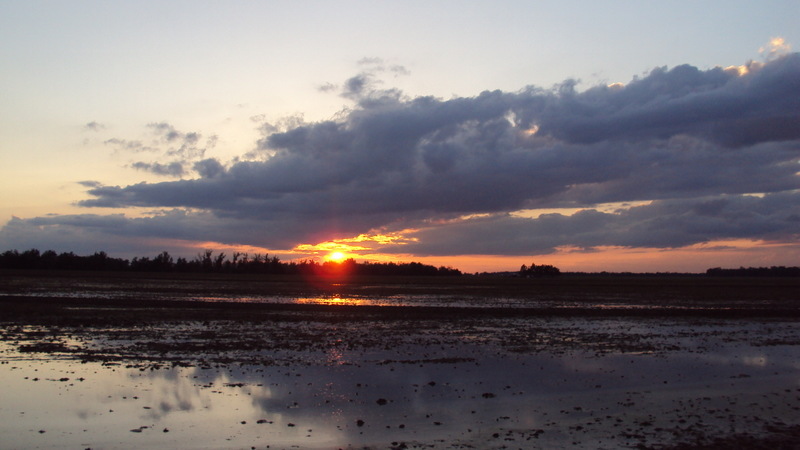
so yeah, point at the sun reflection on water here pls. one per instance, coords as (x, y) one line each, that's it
(339, 300)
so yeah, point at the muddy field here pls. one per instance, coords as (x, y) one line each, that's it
(129, 362)
(569, 291)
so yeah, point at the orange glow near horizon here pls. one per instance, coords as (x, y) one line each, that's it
(327, 247)
(336, 256)
(695, 258)
(340, 249)
(692, 259)
(346, 244)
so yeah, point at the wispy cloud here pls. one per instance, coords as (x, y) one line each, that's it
(177, 152)
(94, 126)
(367, 82)
(174, 169)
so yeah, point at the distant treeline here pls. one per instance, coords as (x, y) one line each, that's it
(774, 271)
(540, 271)
(209, 262)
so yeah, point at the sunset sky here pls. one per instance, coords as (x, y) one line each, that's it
(482, 135)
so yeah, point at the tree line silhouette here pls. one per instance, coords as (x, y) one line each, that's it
(209, 262)
(774, 271)
(540, 271)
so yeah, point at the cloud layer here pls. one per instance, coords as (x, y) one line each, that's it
(660, 224)
(692, 140)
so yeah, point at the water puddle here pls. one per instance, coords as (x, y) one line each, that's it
(386, 399)
(407, 300)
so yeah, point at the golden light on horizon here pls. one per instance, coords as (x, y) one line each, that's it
(328, 247)
(349, 247)
(335, 257)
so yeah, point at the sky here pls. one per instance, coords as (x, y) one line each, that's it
(481, 135)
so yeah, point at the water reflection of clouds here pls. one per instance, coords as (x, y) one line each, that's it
(431, 391)
(747, 358)
(755, 361)
(174, 392)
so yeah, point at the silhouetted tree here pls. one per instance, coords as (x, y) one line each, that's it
(208, 262)
(49, 260)
(540, 271)
(774, 271)
(205, 261)
(163, 262)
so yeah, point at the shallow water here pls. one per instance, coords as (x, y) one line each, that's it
(317, 378)
(719, 382)
(407, 300)
(383, 300)
(606, 293)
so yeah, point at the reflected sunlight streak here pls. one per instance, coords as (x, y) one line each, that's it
(338, 300)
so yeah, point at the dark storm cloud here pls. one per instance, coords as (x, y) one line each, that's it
(658, 134)
(661, 224)
(681, 135)
(92, 232)
(716, 104)
(209, 168)
(177, 224)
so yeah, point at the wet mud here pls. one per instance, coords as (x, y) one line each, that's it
(95, 373)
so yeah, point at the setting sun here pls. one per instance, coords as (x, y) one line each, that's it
(335, 257)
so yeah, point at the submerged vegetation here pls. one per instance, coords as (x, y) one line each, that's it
(208, 262)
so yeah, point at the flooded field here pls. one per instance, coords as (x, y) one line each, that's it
(116, 372)
(690, 292)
